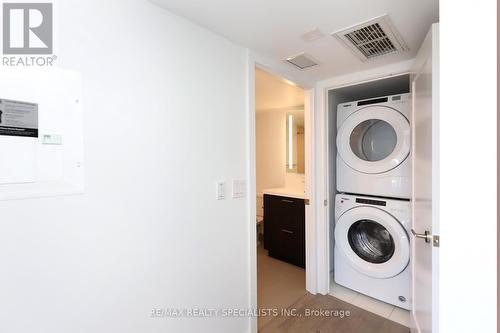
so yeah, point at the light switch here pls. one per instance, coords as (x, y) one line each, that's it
(239, 188)
(220, 190)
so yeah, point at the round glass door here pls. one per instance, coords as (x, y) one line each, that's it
(371, 241)
(374, 139)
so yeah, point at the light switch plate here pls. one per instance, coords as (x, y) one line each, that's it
(239, 188)
(220, 190)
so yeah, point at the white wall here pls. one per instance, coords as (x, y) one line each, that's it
(165, 116)
(469, 170)
(274, 92)
(270, 130)
(274, 98)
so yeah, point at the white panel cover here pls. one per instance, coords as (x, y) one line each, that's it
(32, 166)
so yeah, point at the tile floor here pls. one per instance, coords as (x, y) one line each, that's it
(382, 309)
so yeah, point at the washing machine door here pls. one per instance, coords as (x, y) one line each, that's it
(372, 241)
(374, 139)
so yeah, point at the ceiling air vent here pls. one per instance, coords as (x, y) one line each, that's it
(302, 61)
(372, 39)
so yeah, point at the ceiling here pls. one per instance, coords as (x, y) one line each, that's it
(275, 93)
(274, 27)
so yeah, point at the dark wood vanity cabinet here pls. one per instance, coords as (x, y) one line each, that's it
(284, 229)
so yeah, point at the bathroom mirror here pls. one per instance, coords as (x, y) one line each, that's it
(295, 151)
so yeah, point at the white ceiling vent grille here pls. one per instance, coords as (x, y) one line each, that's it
(372, 39)
(302, 61)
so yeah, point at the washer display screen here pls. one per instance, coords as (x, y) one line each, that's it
(371, 241)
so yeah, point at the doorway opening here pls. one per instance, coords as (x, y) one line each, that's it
(280, 165)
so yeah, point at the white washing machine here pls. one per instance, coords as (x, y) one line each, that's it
(372, 247)
(373, 146)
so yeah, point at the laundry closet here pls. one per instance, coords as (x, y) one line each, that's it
(369, 171)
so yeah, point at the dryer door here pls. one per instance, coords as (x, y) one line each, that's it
(374, 139)
(373, 242)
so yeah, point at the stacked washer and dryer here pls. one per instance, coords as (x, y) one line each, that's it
(372, 208)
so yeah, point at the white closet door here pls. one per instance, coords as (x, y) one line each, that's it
(425, 192)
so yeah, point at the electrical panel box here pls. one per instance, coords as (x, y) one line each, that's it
(41, 133)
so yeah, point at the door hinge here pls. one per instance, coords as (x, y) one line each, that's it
(307, 202)
(325, 203)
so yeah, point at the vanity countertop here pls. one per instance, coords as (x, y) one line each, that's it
(285, 192)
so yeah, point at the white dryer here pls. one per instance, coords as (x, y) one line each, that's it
(373, 146)
(372, 247)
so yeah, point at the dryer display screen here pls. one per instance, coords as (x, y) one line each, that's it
(373, 101)
(371, 202)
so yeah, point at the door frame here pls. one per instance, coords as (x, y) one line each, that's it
(300, 79)
(324, 256)
(318, 270)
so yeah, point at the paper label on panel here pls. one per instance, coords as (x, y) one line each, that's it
(18, 118)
